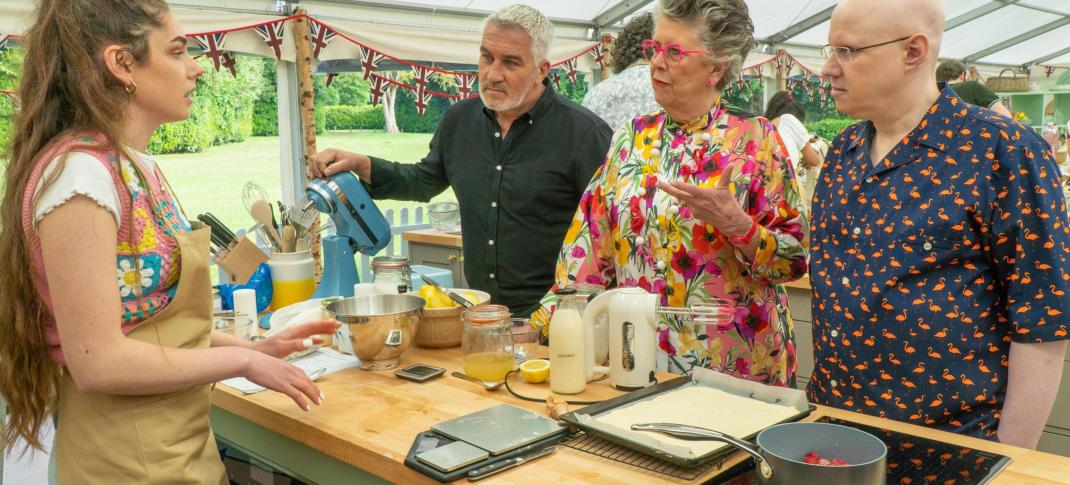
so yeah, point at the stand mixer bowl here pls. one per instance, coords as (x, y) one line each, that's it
(381, 327)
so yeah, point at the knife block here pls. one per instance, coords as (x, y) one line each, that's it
(240, 261)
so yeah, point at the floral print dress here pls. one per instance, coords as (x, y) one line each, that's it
(628, 233)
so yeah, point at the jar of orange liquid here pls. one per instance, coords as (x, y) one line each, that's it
(487, 342)
(293, 278)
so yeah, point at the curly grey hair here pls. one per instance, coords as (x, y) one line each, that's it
(531, 21)
(724, 27)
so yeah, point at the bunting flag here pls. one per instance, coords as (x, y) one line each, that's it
(377, 85)
(212, 44)
(321, 36)
(422, 93)
(570, 69)
(272, 35)
(5, 39)
(330, 78)
(228, 61)
(465, 83)
(453, 99)
(369, 61)
(556, 79)
(599, 55)
(1048, 71)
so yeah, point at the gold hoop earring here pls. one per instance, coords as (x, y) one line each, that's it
(130, 88)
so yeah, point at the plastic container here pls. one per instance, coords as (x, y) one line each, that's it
(293, 278)
(487, 343)
(390, 273)
(598, 335)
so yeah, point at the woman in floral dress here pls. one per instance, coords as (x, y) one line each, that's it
(697, 202)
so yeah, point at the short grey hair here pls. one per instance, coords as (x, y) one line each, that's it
(531, 21)
(723, 26)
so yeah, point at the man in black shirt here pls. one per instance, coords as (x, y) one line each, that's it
(518, 160)
(954, 73)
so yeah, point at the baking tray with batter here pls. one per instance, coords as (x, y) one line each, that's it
(586, 418)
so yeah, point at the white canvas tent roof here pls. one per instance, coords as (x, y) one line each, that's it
(985, 32)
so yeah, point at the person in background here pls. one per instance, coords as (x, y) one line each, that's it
(697, 202)
(939, 255)
(953, 73)
(105, 291)
(788, 116)
(517, 158)
(628, 92)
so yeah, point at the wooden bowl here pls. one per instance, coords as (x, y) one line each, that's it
(442, 327)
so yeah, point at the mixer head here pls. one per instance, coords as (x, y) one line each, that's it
(354, 213)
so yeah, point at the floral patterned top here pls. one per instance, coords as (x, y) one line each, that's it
(628, 233)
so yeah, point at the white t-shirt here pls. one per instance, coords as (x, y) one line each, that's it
(82, 175)
(795, 137)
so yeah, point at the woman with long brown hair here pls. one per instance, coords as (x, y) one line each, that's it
(105, 307)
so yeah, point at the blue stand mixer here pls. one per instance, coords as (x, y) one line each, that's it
(359, 227)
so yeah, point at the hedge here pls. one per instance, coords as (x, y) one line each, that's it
(354, 117)
(828, 128)
(222, 110)
(10, 65)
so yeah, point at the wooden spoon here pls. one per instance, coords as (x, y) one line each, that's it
(261, 212)
(289, 237)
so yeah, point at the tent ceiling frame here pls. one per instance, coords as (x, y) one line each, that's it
(1018, 39)
(618, 11)
(977, 13)
(799, 27)
(1048, 57)
(475, 14)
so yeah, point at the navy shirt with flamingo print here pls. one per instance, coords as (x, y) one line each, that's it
(927, 265)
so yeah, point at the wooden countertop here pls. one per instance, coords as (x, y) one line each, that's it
(369, 420)
(432, 236)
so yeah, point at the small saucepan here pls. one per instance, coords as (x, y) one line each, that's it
(781, 450)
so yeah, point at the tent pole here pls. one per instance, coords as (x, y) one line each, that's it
(306, 96)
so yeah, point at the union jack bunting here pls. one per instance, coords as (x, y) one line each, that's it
(369, 61)
(321, 36)
(378, 84)
(212, 44)
(230, 63)
(422, 93)
(599, 55)
(570, 69)
(453, 99)
(330, 78)
(5, 39)
(272, 35)
(465, 83)
(556, 79)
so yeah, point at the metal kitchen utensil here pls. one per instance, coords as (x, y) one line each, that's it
(453, 296)
(488, 386)
(250, 193)
(381, 327)
(500, 466)
(686, 432)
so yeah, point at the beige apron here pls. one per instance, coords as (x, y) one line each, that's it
(163, 438)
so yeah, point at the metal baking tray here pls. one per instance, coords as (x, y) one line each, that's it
(574, 422)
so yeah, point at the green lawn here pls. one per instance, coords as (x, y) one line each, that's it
(212, 181)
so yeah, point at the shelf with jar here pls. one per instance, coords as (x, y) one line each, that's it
(1040, 107)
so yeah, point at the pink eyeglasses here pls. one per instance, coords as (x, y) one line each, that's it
(674, 54)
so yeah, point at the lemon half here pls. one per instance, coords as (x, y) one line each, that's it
(535, 371)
